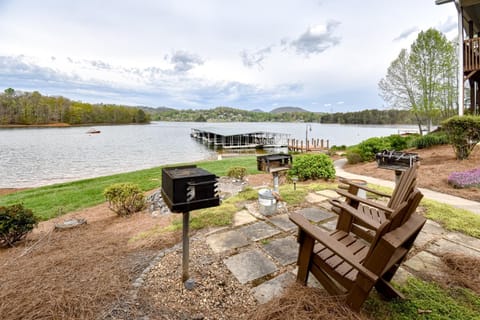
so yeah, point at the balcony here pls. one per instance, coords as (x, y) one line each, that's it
(471, 56)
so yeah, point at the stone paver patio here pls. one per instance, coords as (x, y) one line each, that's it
(261, 252)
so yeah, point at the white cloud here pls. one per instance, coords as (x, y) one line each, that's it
(184, 61)
(405, 34)
(184, 53)
(317, 39)
(448, 25)
(255, 58)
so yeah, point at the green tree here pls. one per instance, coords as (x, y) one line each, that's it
(422, 80)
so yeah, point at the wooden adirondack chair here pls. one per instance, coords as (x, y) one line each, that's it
(402, 190)
(346, 264)
(372, 210)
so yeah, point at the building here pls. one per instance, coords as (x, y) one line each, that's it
(469, 53)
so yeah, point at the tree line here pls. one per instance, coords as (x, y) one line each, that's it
(32, 108)
(226, 114)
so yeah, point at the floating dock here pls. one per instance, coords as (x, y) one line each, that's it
(235, 139)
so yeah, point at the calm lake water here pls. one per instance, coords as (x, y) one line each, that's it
(32, 157)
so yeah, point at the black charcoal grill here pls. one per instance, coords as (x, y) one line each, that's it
(184, 189)
(189, 188)
(272, 162)
(395, 160)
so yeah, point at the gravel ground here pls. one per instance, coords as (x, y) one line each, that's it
(216, 295)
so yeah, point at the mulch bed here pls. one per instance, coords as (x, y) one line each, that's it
(304, 303)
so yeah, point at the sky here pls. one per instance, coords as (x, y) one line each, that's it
(320, 55)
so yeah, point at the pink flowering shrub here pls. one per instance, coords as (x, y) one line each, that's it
(465, 179)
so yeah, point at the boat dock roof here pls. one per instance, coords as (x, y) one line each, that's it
(235, 138)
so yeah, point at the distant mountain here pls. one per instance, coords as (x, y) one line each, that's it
(288, 109)
(257, 110)
(163, 109)
(155, 110)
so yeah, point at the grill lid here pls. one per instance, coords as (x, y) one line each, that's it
(186, 172)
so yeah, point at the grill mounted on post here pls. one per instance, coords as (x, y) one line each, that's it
(274, 162)
(188, 188)
(395, 160)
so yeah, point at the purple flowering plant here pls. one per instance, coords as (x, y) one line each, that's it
(465, 179)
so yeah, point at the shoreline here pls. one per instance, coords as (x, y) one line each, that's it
(5, 191)
(64, 125)
(49, 125)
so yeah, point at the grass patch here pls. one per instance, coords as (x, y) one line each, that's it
(426, 300)
(296, 197)
(452, 218)
(210, 217)
(50, 201)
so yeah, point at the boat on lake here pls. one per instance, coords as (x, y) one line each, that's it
(93, 130)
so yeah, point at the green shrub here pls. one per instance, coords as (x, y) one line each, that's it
(338, 148)
(463, 133)
(353, 157)
(15, 222)
(370, 147)
(124, 198)
(334, 149)
(237, 172)
(312, 166)
(429, 140)
(398, 142)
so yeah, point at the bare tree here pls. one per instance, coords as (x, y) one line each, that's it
(423, 79)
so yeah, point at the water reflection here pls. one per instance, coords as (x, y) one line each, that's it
(33, 157)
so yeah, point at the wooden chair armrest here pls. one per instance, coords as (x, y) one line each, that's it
(363, 187)
(330, 243)
(396, 238)
(367, 202)
(347, 209)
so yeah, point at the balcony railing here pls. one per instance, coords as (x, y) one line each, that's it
(471, 55)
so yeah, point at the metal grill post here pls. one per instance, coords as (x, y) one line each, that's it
(184, 189)
(275, 182)
(186, 246)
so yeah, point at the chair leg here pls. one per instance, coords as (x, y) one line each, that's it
(344, 221)
(387, 290)
(358, 293)
(304, 257)
(384, 287)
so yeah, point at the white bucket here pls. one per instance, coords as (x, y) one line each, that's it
(267, 204)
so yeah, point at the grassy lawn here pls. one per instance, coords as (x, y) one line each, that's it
(426, 300)
(51, 201)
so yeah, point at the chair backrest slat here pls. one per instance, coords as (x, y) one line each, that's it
(404, 186)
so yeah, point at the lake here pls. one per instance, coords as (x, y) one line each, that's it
(31, 157)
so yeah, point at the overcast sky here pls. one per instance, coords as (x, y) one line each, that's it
(321, 55)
